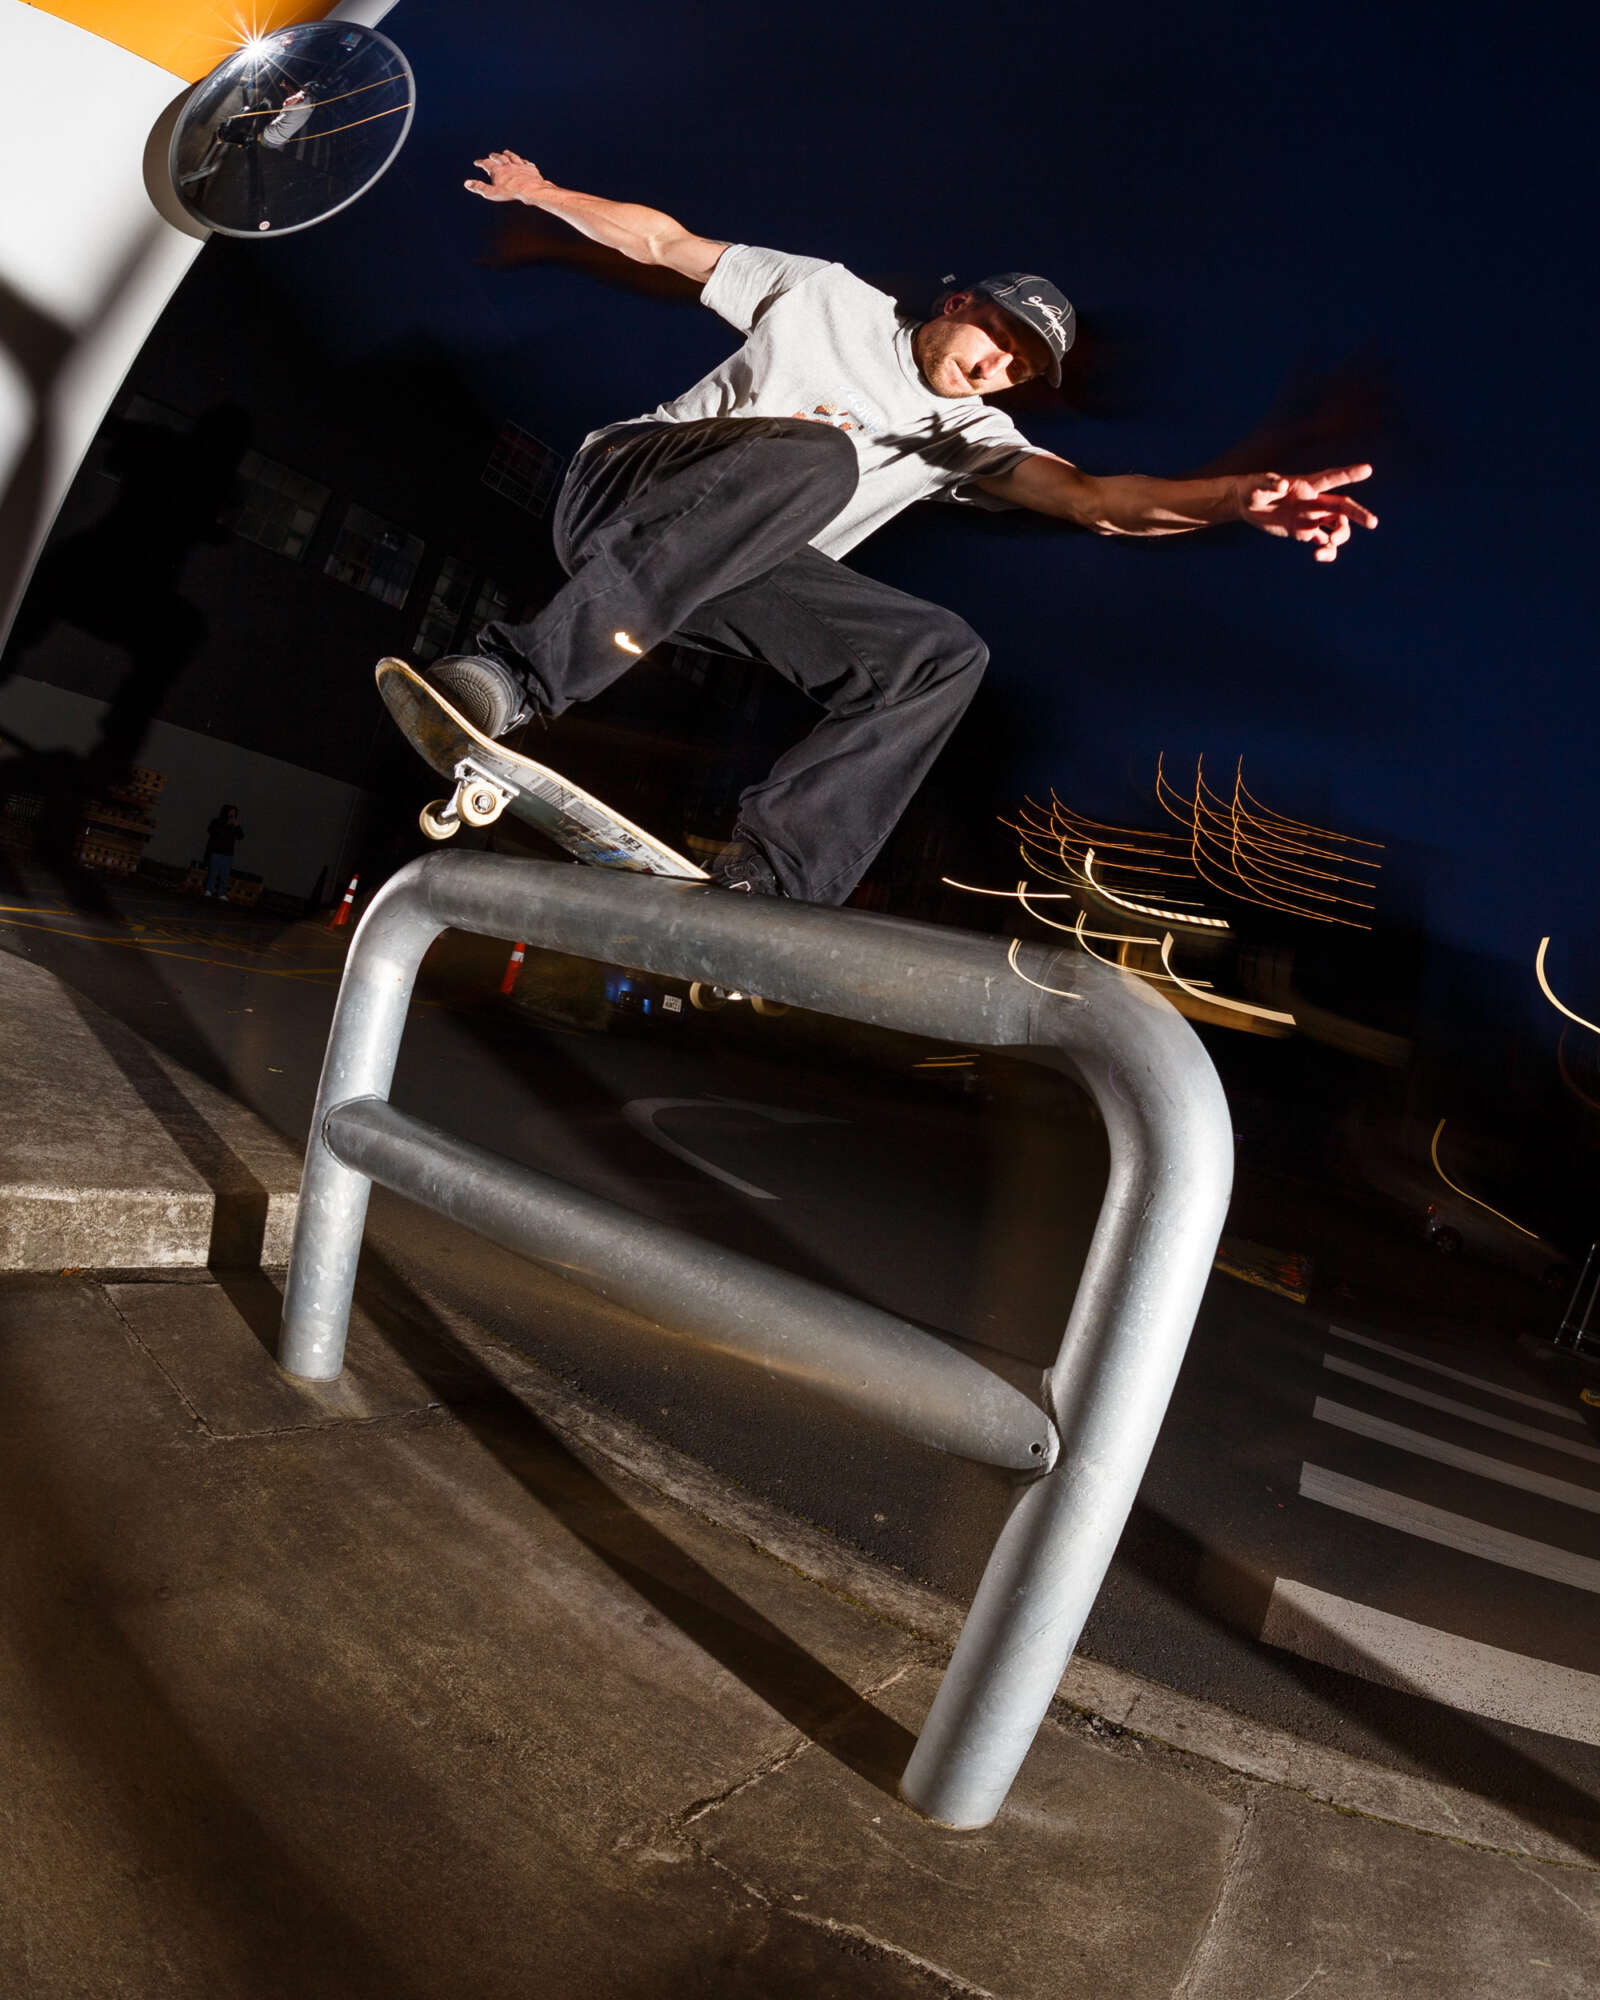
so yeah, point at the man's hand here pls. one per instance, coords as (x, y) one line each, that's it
(511, 178)
(643, 235)
(1306, 509)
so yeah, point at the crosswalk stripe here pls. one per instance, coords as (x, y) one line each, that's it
(1471, 1411)
(1420, 1659)
(1451, 1531)
(1422, 1446)
(1455, 1374)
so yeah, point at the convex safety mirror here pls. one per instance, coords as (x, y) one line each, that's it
(292, 128)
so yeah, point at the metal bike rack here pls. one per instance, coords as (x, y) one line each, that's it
(1079, 1459)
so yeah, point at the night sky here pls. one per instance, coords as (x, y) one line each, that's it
(1364, 231)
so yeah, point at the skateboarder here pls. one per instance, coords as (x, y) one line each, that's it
(719, 521)
(222, 837)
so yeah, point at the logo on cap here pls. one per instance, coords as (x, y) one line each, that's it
(1044, 308)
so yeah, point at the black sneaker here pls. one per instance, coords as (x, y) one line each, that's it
(483, 689)
(742, 865)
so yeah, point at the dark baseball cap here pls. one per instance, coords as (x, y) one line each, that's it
(1039, 305)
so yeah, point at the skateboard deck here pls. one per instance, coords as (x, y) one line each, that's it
(489, 779)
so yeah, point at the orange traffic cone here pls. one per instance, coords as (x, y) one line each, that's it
(513, 967)
(342, 914)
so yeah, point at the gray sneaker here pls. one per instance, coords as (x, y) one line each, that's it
(485, 690)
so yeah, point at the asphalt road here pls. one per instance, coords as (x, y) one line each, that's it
(1383, 1481)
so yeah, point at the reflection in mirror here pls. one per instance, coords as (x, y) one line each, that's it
(292, 128)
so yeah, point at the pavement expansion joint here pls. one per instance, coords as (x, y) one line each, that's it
(1521, 1864)
(166, 1375)
(645, 1840)
(424, 1416)
(951, 1982)
(1211, 1929)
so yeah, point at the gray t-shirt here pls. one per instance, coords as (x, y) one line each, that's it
(825, 345)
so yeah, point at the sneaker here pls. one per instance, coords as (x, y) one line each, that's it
(483, 689)
(742, 865)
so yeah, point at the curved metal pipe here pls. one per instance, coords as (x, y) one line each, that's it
(1171, 1149)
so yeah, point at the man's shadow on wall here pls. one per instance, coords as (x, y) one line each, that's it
(120, 578)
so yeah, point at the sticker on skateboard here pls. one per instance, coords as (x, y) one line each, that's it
(489, 780)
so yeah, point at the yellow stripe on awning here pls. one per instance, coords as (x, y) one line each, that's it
(187, 37)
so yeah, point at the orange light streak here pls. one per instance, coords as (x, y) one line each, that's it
(1456, 1189)
(1544, 987)
(1215, 999)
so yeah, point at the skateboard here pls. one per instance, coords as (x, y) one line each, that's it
(489, 779)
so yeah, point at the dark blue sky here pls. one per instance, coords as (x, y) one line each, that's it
(1240, 198)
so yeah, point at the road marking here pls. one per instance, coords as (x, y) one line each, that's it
(1451, 1531)
(642, 1113)
(1508, 1425)
(1419, 1659)
(1473, 1381)
(1423, 1446)
(325, 973)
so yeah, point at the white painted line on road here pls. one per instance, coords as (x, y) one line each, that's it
(642, 1113)
(1423, 1446)
(1451, 1531)
(1455, 1374)
(1471, 1411)
(1419, 1659)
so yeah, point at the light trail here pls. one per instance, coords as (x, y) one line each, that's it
(1060, 992)
(1116, 964)
(1216, 999)
(1455, 1189)
(1145, 909)
(1040, 895)
(1544, 987)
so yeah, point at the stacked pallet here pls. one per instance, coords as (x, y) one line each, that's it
(117, 820)
(19, 821)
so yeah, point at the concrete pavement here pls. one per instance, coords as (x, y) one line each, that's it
(438, 1680)
(442, 1679)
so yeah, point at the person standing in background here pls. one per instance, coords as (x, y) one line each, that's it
(222, 836)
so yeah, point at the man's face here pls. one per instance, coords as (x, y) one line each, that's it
(975, 349)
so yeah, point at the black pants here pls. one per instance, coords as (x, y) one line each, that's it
(699, 533)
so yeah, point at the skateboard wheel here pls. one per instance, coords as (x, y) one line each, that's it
(774, 1010)
(437, 821)
(479, 806)
(706, 997)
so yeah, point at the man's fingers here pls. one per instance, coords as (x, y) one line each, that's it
(1344, 475)
(1327, 505)
(1267, 488)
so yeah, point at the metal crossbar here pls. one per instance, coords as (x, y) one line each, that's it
(1078, 1460)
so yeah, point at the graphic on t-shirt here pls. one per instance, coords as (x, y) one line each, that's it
(844, 414)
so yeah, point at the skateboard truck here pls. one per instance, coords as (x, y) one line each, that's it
(478, 799)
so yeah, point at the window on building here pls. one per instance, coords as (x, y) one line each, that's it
(523, 469)
(278, 508)
(373, 555)
(159, 416)
(493, 601)
(442, 619)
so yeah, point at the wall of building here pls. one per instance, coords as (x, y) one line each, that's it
(86, 263)
(91, 244)
(303, 828)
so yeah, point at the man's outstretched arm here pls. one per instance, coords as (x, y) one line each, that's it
(1304, 509)
(644, 234)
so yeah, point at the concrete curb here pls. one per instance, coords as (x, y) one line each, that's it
(111, 1155)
